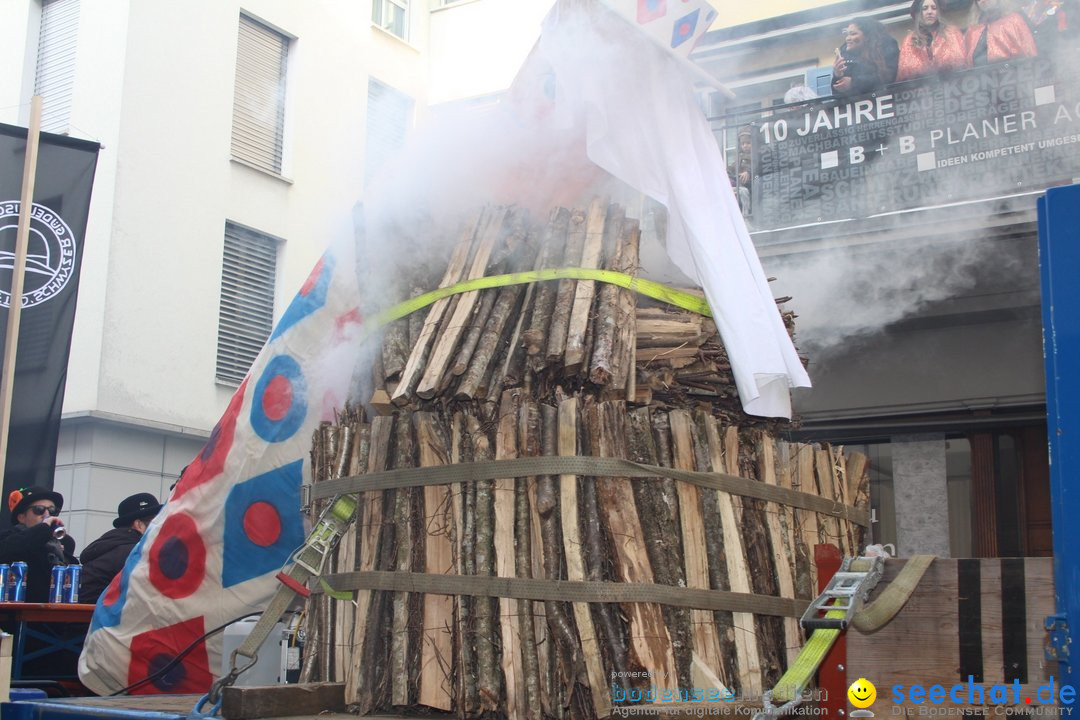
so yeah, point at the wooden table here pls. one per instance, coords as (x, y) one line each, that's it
(55, 626)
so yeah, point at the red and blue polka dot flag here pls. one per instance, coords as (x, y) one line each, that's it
(234, 518)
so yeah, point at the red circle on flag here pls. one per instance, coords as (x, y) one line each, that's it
(177, 557)
(262, 523)
(684, 29)
(112, 592)
(277, 398)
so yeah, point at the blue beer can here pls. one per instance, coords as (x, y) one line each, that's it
(5, 575)
(56, 583)
(17, 582)
(71, 584)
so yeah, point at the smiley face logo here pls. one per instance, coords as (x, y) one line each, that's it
(862, 693)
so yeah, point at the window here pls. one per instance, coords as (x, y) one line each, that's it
(259, 100)
(389, 116)
(246, 314)
(392, 16)
(54, 76)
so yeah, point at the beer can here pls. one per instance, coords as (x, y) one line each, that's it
(71, 584)
(56, 583)
(17, 582)
(5, 575)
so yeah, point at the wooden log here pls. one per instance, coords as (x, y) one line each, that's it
(858, 475)
(650, 644)
(585, 291)
(567, 656)
(803, 479)
(367, 679)
(437, 649)
(553, 246)
(475, 330)
(414, 368)
(443, 351)
(659, 514)
(395, 349)
(564, 297)
(759, 556)
(706, 643)
(606, 322)
(473, 383)
(575, 568)
(489, 687)
(464, 510)
(527, 443)
(341, 637)
(781, 562)
(622, 369)
(403, 673)
(826, 487)
(672, 330)
(730, 512)
(506, 448)
(530, 444)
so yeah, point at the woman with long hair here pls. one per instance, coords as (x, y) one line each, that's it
(932, 46)
(997, 35)
(867, 60)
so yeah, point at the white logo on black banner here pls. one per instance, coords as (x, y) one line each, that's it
(50, 254)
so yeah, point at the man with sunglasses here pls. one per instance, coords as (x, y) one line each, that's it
(31, 538)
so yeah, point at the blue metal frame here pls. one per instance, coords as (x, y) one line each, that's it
(1059, 266)
(72, 710)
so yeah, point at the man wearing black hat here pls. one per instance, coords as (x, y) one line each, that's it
(105, 557)
(32, 538)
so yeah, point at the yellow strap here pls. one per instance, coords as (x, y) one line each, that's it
(801, 672)
(655, 290)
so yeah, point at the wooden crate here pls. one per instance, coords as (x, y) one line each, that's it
(979, 618)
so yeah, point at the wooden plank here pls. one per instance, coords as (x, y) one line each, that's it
(252, 703)
(410, 376)
(738, 573)
(370, 520)
(529, 445)
(443, 352)
(706, 641)
(586, 289)
(784, 575)
(858, 477)
(437, 640)
(823, 467)
(803, 480)
(503, 490)
(920, 645)
(575, 566)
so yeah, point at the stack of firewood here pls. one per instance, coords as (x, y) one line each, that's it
(576, 334)
(568, 369)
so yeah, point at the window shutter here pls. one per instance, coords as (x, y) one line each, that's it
(389, 116)
(246, 313)
(259, 100)
(820, 81)
(54, 76)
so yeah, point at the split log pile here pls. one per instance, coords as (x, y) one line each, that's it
(572, 369)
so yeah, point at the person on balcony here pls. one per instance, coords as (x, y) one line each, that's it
(105, 557)
(866, 61)
(1053, 23)
(36, 537)
(997, 35)
(932, 46)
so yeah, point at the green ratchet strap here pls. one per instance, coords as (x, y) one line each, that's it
(649, 288)
(869, 619)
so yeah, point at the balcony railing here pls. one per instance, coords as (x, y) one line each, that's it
(1001, 130)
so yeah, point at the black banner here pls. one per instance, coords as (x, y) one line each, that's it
(65, 176)
(981, 133)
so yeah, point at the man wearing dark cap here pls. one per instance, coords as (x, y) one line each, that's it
(32, 538)
(105, 557)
